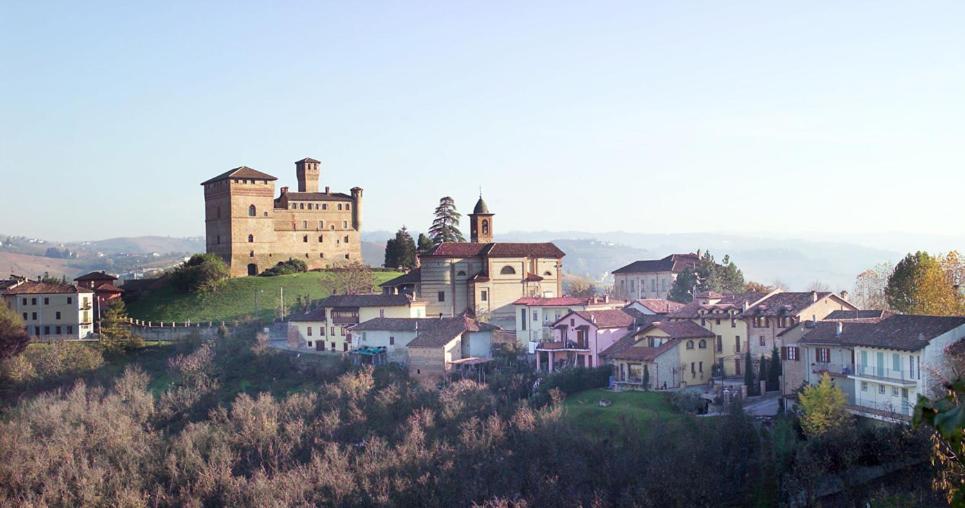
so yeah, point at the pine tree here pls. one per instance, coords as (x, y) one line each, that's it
(774, 372)
(445, 226)
(749, 374)
(683, 287)
(646, 377)
(425, 243)
(762, 375)
(115, 330)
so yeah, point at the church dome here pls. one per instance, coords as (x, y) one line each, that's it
(480, 207)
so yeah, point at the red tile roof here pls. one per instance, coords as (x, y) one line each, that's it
(726, 302)
(38, 288)
(441, 331)
(497, 250)
(660, 306)
(789, 303)
(107, 287)
(624, 349)
(612, 318)
(906, 332)
(95, 276)
(241, 172)
(559, 301)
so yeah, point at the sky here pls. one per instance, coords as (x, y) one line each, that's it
(658, 117)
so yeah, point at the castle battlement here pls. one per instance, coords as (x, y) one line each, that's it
(253, 230)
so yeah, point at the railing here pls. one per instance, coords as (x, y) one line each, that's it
(844, 369)
(566, 344)
(883, 373)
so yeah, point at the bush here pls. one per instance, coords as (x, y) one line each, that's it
(577, 379)
(202, 273)
(687, 401)
(286, 267)
(49, 362)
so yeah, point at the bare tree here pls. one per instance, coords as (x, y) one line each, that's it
(869, 287)
(818, 286)
(351, 278)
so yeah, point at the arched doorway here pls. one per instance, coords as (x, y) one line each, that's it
(252, 269)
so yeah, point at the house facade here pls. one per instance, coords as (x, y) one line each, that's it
(721, 315)
(52, 311)
(483, 277)
(651, 278)
(326, 326)
(535, 315)
(444, 345)
(580, 336)
(766, 319)
(105, 292)
(667, 355)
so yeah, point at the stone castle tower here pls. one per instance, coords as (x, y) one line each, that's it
(481, 223)
(252, 230)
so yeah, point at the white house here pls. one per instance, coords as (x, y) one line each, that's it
(325, 327)
(51, 310)
(535, 315)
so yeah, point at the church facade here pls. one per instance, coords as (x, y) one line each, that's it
(253, 230)
(482, 277)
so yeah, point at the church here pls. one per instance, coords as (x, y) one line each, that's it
(252, 230)
(482, 277)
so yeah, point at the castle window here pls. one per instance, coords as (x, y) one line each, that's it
(346, 239)
(340, 206)
(294, 206)
(321, 224)
(251, 254)
(304, 224)
(320, 238)
(324, 206)
(485, 228)
(252, 212)
(332, 227)
(321, 254)
(344, 224)
(305, 238)
(251, 238)
(301, 206)
(507, 270)
(346, 256)
(348, 206)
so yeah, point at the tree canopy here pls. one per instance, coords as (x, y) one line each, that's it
(13, 336)
(924, 284)
(709, 275)
(823, 407)
(400, 252)
(445, 226)
(200, 273)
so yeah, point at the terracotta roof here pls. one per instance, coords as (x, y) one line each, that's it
(440, 332)
(39, 288)
(641, 319)
(350, 301)
(624, 349)
(558, 301)
(497, 250)
(612, 318)
(241, 172)
(413, 276)
(901, 331)
(675, 263)
(785, 303)
(659, 305)
(95, 276)
(393, 324)
(726, 303)
(107, 287)
(308, 159)
(316, 196)
(4, 284)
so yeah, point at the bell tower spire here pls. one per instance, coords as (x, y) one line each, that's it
(481, 222)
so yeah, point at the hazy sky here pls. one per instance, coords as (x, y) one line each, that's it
(637, 116)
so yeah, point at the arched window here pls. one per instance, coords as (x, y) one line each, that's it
(320, 238)
(321, 254)
(251, 238)
(252, 212)
(702, 344)
(251, 254)
(461, 273)
(507, 270)
(485, 227)
(305, 238)
(690, 344)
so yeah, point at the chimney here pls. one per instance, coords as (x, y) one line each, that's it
(814, 296)
(844, 295)
(327, 189)
(284, 190)
(840, 329)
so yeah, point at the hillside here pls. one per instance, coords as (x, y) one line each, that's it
(32, 266)
(142, 245)
(242, 297)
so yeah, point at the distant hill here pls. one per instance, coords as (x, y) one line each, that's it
(143, 245)
(32, 266)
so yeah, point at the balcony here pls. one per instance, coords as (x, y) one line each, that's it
(891, 376)
(833, 369)
(566, 345)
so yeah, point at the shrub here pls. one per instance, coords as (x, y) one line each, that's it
(49, 362)
(577, 379)
(286, 267)
(202, 273)
(687, 401)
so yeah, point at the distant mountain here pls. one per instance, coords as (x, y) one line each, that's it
(143, 245)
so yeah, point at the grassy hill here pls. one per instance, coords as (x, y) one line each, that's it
(241, 298)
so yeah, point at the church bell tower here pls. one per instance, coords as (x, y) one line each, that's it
(481, 223)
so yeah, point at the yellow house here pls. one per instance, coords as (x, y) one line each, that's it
(673, 354)
(721, 315)
(325, 328)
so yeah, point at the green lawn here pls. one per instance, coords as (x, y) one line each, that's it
(242, 297)
(638, 408)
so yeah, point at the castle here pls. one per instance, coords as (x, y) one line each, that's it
(252, 230)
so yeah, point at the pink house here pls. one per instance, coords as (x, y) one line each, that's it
(580, 336)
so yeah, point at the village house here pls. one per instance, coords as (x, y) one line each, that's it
(51, 311)
(580, 336)
(651, 278)
(721, 315)
(668, 354)
(445, 345)
(105, 292)
(767, 318)
(252, 230)
(482, 277)
(535, 315)
(325, 326)
(654, 306)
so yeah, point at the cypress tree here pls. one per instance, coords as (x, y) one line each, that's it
(774, 371)
(762, 376)
(749, 374)
(646, 377)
